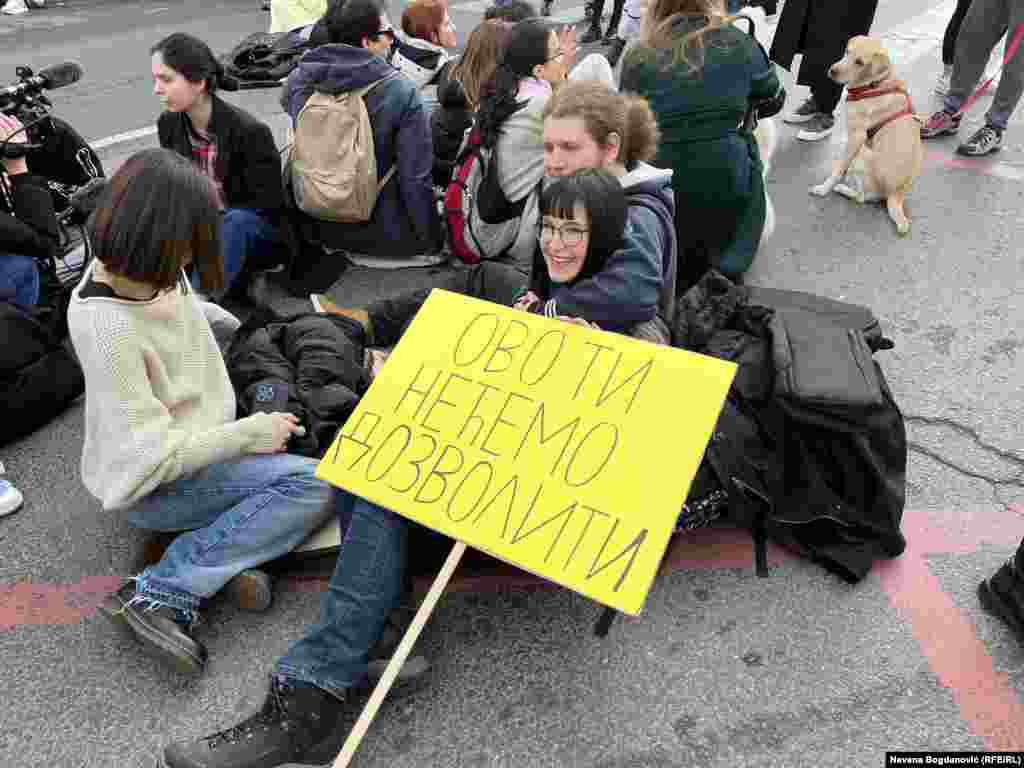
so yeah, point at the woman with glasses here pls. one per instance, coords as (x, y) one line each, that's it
(424, 45)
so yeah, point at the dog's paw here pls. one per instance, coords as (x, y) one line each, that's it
(820, 190)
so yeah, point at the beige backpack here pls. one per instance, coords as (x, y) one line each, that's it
(333, 168)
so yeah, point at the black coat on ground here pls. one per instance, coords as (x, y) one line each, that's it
(820, 30)
(310, 365)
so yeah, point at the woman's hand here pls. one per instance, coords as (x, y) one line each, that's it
(579, 321)
(282, 426)
(13, 132)
(567, 46)
(527, 301)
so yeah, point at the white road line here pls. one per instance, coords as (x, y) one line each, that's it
(120, 138)
(906, 43)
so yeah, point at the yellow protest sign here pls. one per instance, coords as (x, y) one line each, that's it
(560, 449)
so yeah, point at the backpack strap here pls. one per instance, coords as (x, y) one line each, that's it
(361, 93)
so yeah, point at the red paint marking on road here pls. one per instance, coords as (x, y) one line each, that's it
(25, 603)
(949, 642)
(986, 166)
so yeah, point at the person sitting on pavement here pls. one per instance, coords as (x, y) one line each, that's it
(510, 120)
(233, 149)
(311, 686)
(586, 125)
(423, 47)
(162, 444)
(513, 11)
(404, 224)
(700, 75)
(458, 92)
(982, 28)
(29, 234)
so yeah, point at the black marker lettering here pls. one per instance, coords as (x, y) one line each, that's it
(599, 465)
(351, 436)
(567, 513)
(483, 491)
(501, 420)
(642, 372)
(415, 463)
(551, 363)
(483, 348)
(485, 388)
(421, 392)
(634, 546)
(440, 474)
(598, 349)
(507, 349)
(538, 418)
(440, 400)
(513, 483)
(583, 533)
(369, 464)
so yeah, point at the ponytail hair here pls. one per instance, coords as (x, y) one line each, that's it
(194, 60)
(527, 47)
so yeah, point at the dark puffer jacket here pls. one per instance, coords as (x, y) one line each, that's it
(310, 365)
(448, 124)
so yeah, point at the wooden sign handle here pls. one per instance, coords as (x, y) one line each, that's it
(358, 731)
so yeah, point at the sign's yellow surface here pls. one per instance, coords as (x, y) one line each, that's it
(560, 449)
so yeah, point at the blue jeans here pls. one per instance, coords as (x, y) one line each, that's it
(366, 586)
(19, 280)
(238, 514)
(247, 234)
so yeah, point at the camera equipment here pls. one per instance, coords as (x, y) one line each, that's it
(26, 101)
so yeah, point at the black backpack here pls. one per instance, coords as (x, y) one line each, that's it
(39, 377)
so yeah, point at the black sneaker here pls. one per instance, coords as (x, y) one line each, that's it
(298, 724)
(593, 33)
(817, 128)
(804, 113)
(985, 141)
(163, 631)
(1003, 595)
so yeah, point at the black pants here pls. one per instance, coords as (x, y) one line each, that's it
(826, 93)
(952, 30)
(489, 280)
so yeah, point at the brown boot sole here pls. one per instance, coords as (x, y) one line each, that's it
(251, 590)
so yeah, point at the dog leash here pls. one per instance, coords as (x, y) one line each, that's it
(1011, 49)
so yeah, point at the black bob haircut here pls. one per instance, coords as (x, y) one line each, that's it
(352, 21)
(513, 11)
(156, 216)
(603, 199)
(195, 61)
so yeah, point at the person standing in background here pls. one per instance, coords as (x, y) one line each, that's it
(820, 30)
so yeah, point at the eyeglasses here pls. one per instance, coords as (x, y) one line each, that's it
(570, 235)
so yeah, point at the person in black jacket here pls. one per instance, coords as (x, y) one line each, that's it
(28, 224)
(227, 144)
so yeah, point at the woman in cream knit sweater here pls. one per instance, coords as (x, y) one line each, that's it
(162, 443)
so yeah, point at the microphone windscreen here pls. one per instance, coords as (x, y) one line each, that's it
(60, 75)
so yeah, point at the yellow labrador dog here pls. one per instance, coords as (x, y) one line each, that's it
(883, 153)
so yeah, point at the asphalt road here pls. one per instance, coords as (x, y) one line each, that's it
(723, 668)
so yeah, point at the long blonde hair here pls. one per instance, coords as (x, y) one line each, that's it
(479, 60)
(657, 28)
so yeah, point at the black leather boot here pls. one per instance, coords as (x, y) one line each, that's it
(617, 46)
(593, 33)
(613, 23)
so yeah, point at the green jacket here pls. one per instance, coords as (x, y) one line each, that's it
(716, 165)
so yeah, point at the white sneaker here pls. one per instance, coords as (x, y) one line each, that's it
(942, 84)
(15, 7)
(10, 497)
